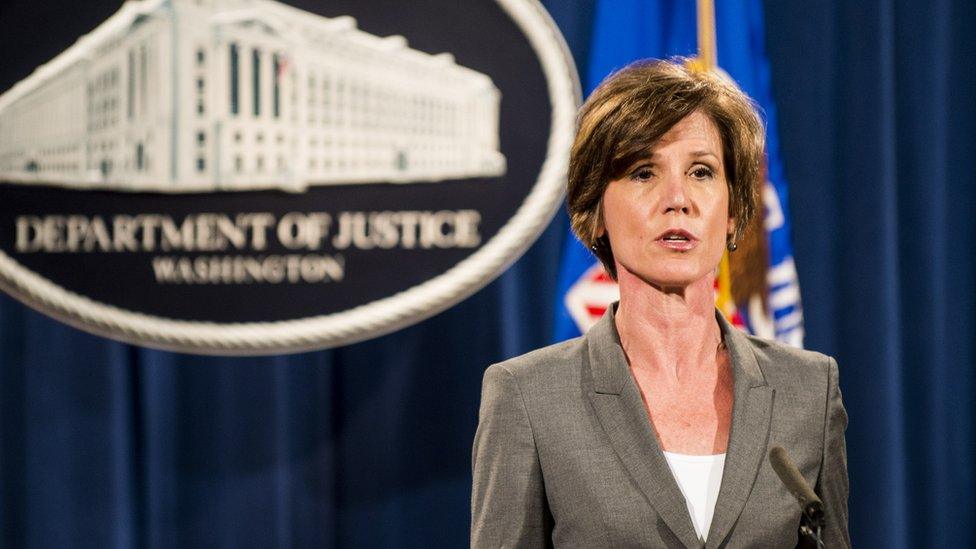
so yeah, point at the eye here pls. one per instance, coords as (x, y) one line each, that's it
(702, 172)
(642, 173)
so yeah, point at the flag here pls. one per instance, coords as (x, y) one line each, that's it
(627, 30)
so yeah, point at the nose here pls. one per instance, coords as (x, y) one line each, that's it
(676, 199)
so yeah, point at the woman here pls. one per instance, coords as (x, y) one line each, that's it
(653, 429)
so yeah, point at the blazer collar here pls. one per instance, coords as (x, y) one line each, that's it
(749, 436)
(621, 412)
(611, 373)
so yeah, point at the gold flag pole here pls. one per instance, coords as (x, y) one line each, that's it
(707, 60)
(707, 55)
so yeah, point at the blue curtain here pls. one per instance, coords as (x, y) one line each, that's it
(876, 116)
(108, 445)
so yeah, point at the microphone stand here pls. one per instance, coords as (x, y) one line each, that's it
(811, 536)
(812, 509)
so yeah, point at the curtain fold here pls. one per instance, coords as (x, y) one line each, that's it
(876, 113)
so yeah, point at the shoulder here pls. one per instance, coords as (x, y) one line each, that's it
(542, 367)
(785, 366)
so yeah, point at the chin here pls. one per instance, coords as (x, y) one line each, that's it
(674, 281)
(670, 278)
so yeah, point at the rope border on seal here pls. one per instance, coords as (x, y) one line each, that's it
(372, 319)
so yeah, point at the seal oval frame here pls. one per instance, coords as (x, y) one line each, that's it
(372, 319)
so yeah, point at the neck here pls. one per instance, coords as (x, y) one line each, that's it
(667, 330)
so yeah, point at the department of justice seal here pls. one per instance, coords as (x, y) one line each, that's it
(256, 176)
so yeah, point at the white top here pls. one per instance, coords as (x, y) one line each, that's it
(699, 478)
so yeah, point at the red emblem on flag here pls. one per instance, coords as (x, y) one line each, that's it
(589, 297)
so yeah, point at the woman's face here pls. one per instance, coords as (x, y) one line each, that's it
(667, 217)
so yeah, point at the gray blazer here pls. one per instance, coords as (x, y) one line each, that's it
(566, 456)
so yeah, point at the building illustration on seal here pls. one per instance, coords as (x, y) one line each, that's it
(227, 95)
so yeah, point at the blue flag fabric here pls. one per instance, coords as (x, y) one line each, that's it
(626, 30)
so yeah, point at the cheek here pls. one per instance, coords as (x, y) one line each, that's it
(621, 213)
(629, 225)
(723, 213)
(720, 225)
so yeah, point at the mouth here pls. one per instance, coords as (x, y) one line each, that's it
(677, 239)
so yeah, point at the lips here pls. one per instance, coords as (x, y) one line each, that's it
(677, 239)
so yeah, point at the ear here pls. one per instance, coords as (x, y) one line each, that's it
(730, 227)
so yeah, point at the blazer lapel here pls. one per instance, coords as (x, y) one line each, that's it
(622, 414)
(748, 438)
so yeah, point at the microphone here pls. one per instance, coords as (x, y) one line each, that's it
(810, 504)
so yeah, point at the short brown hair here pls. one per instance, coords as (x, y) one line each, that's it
(631, 110)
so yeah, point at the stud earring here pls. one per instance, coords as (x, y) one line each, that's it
(598, 243)
(732, 246)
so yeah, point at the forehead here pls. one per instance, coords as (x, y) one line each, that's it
(695, 129)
